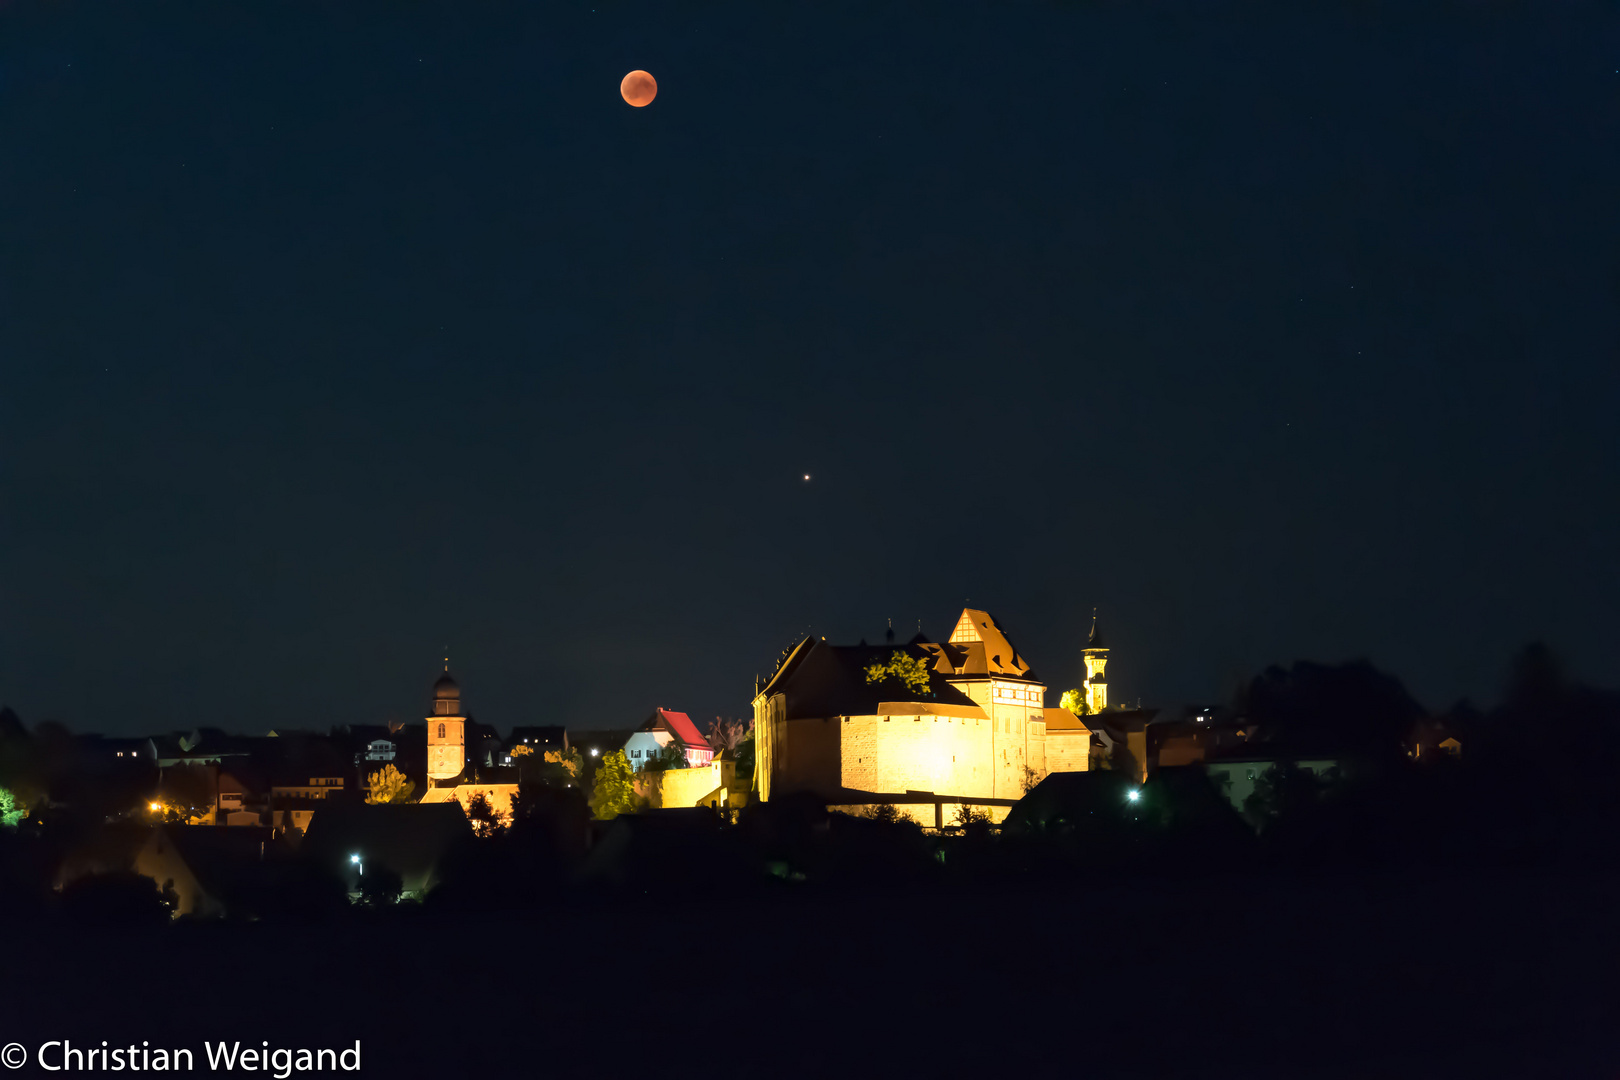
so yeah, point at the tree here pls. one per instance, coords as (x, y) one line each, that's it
(486, 820)
(912, 672)
(124, 898)
(388, 785)
(1349, 708)
(745, 762)
(967, 814)
(1076, 701)
(11, 811)
(728, 734)
(670, 757)
(1031, 779)
(614, 791)
(186, 795)
(380, 885)
(1281, 791)
(561, 768)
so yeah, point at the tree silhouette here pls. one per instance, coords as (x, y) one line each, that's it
(486, 820)
(727, 734)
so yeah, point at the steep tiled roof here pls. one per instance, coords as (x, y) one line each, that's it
(985, 649)
(1064, 720)
(830, 680)
(680, 725)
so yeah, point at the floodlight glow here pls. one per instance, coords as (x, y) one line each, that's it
(593, 751)
(354, 859)
(1133, 795)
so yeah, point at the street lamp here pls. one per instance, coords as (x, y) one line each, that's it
(1133, 795)
(593, 751)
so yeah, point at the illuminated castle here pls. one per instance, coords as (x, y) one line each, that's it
(925, 726)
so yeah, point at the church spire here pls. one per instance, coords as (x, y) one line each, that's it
(1095, 656)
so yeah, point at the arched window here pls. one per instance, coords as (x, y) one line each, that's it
(441, 731)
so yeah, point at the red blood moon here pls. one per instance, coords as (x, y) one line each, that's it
(639, 88)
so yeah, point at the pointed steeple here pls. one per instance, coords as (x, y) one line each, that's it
(1095, 641)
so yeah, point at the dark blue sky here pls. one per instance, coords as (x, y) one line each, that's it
(333, 333)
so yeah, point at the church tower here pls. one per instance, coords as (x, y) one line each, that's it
(447, 731)
(1095, 655)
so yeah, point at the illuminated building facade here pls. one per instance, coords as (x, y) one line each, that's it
(447, 731)
(449, 778)
(970, 727)
(1095, 656)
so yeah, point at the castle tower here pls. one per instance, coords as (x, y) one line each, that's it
(447, 731)
(1095, 655)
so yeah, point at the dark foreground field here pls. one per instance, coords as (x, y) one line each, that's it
(1370, 978)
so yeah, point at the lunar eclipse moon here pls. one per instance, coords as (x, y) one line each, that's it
(638, 88)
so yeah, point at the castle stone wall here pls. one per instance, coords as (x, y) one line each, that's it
(1068, 751)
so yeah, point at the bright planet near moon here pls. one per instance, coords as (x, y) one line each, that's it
(639, 88)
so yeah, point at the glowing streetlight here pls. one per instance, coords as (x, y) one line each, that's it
(154, 807)
(1133, 795)
(593, 751)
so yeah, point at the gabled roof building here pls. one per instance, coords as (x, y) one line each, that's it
(666, 728)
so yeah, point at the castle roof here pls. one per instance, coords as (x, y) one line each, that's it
(830, 680)
(986, 649)
(1060, 719)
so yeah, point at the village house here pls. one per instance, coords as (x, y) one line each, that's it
(666, 728)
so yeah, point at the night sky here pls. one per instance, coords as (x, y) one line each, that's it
(334, 333)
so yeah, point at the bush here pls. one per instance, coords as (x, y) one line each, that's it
(122, 899)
